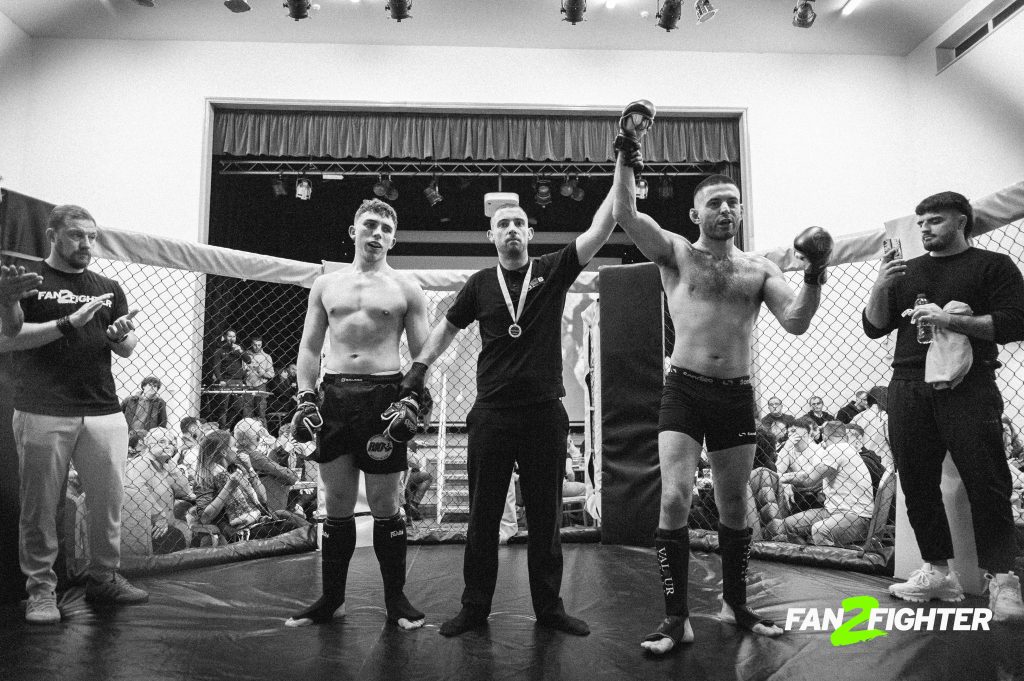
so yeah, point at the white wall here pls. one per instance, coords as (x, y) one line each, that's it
(15, 96)
(118, 125)
(967, 123)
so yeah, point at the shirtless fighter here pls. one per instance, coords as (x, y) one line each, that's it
(364, 309)
(714, 293)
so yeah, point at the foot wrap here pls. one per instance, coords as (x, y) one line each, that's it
(672, 627)
(339, 543)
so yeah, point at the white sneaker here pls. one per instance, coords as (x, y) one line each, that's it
(42, 608)
(1004, 597)
(929, 584)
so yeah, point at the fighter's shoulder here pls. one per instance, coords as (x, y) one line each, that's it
(759, 261)
(406, 281)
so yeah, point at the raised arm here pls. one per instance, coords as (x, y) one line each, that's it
(878, 311)
(590, 242)
(15, 284)
(654, 242)
(793, 310)
(313, 329)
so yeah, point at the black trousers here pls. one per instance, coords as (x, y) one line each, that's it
(923, 424)
(534, 437)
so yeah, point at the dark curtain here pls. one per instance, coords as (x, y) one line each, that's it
(455, 137)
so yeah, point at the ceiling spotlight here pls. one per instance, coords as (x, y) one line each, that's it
(399, 9)
(298, 9)
(277, 186)
(803, 14)
(303, 188)
(543, 195)
(705, 11)
(668, 15)
(574, 10)
(568, 187)
(392, 194)
(237, 6)
(665, 189)
(641, 188)
(381, 186)
(431, 193)
(578, 193)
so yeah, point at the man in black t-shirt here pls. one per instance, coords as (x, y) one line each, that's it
(66, 410)
(518, 416)
(927, 418)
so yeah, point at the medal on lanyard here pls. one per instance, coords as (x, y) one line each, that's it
(514, 329)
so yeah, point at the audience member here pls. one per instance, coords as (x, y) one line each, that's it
(146, 409)
(135, 438)
(873, 462)
(158, 481)
(817, 412)
(800, 452)
(283, 389)
(417, 482)
(253, 442)
(875, 423)
(848, 498)
(1011, 443)
(258, 373)
(229, 493)
(855, 406)
(571, 488)
(771, 436)
(775, 408)
(229, 368)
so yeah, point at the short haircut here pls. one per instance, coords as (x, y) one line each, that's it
(378, 208)
(247, 432)
(151, 380)
(62, 216)
(254, 339)
(854, 428)
(135, 437)
(784, 419)
(831, 429)
(948, 201)
(187, 423)
(713, 181)
(506, 206)
(804, 423)
(860, 393)
(816, 398)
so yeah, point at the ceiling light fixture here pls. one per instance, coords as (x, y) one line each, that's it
(669, 13)
(298, 9)
(578, 193)
(381, 186)
(237, 6)
(432, 194)
(568, 186)
(849, 7)
(399, 9)
(543, 193)
(803, 14)
(665, 189)
(705, 11)
(574, 10)
(641, 188)
(303, 188)
(277, 186)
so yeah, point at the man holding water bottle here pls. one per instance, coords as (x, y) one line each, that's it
(927, 418)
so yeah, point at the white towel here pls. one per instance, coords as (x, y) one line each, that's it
(950, 356)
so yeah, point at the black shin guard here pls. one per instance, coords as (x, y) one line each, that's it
(735, 548)
(339, 542)
(673, 552)
(389, 545)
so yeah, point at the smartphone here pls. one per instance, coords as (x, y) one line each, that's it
(894, 246)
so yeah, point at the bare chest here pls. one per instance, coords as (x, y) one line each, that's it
(722, 280)
(377, 298)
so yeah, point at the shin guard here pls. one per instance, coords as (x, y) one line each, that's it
(389, 543)
(673, 552)
(735, 548)
(339, 543)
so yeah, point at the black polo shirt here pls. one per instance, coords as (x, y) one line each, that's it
(510, 371)
(71, 375)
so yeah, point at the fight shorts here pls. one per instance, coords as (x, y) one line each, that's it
(720, 410)
(351, 409)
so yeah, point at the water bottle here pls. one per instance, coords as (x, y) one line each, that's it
(925, 330)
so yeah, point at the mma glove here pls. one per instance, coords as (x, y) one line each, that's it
(815, 245)
(636, 119)
(306, 421)
(402, 419)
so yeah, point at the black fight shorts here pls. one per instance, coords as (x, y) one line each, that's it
(718, 410)
(351, 409)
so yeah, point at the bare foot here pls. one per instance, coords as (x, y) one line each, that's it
(410, 624)
(313, 618)
(669, 632)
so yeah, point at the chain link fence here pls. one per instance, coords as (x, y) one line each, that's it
(820, 399)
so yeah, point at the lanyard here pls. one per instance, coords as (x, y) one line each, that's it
(515, 330)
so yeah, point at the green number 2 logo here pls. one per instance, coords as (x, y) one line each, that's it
(845, 635)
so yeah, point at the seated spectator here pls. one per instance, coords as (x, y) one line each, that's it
(875, 423)
(160, 483)
(800, 452)
(848, 499)
(135, 438)
(417, 483)
(1012, 445)
(775, 409)
(873, 462)
(188, 453)
(252, 440)
(817, 412)
(571, 488)
(229, 493)
(293, 454)
(855, 406)
(146, 409)
(771, 435)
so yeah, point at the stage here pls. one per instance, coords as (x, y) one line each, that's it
(226, 622)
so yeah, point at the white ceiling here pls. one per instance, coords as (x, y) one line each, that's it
(880, 27)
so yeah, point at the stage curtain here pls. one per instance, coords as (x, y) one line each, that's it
(459, 137)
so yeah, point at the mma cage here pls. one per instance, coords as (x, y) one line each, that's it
(192, 294)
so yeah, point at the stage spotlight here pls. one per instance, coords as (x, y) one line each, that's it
(298, 9)
(665, 189)
(705, 11)
(543, 195)
(381, 186)
(303, 188)
(668, 15)
(431, 193)
(641, 188)
(392, 194)
(578, 193)
(237, 6)
(568, 186)
(574, 10)
(803, 14)
(399, 9)
(277, 186)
